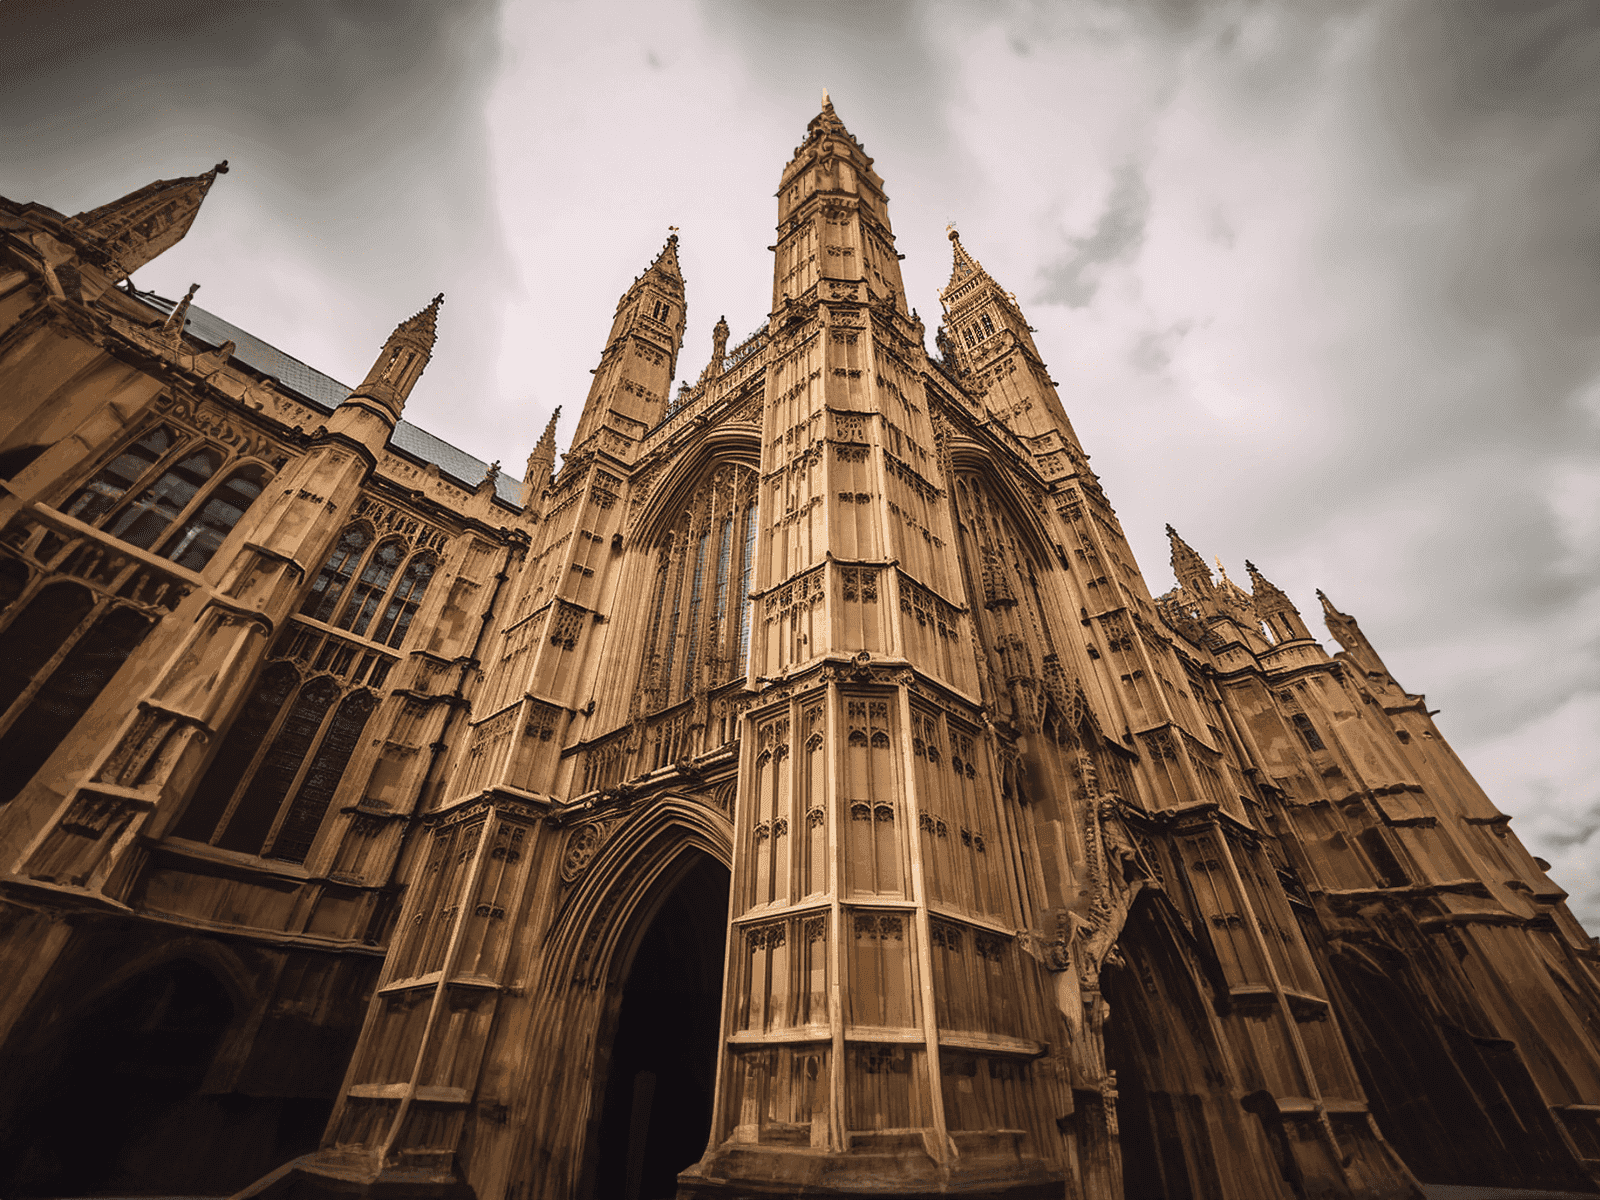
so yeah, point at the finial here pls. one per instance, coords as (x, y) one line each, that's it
(826, 103)
(221, 168)
(179, 315)
(950, 232)
(1221, 570)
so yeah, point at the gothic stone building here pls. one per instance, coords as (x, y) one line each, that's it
(800, 789)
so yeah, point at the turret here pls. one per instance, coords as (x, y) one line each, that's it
(541, 463)
(1190, 570)
(1348, 634)
(126, 234)
(634, 379)
(371, 411)
(1275, 608)
(833, 222)
(719, 350)
(986, 338)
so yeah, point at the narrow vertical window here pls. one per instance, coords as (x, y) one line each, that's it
(694, 614)
(203, 533)
(675, 585)
(370, 588)
(101, 494)
(238, 750)
(147, 518)
(72, 687)
(746, 561)
(653, 646)
(391, 630)
(300, 825)
(719, 615)
(335, 575)
(988, 326)
(1307, 732)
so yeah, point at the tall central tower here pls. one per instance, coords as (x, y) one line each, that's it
(874, 1026)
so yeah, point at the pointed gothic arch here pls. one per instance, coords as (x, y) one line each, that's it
(621, 873)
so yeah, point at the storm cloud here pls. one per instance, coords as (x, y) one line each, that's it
(1320, 281)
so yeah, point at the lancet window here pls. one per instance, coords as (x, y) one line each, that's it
(698, 628)
(168, 493)
(270, 785)
(70, 615)
(372, 594)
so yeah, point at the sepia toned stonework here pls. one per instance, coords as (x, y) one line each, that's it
(799, 791)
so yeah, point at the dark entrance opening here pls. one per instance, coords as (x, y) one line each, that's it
(111, 1115)
(656, 1116)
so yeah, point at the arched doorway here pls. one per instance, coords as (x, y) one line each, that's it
(1183, 1135)
(113, 1109)
(660, 1065)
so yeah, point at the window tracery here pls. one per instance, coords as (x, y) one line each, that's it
(698, 628)
(169, 490)
(372, 587)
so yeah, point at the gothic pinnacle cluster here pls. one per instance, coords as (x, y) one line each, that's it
(799, 793)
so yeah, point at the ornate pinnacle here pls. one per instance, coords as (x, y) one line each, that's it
(1267, 595)
(1186, 563)
(172, 327)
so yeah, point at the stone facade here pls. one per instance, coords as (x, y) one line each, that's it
(800, 788)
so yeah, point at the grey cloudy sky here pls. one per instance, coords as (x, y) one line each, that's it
(1320, 281)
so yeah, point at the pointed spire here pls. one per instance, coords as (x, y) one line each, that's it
(826, 121)
(1268, 597)
(541, 462)
(963, 265)
(1348, 634)
(401, 361)
(424, 325)
(131, 231)
(1221, 570)
(667, 261)
(719, 349)
(172, 327)
(1186, 563)
(1274, 607)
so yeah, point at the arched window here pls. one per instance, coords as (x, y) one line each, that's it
(335, 574)
(159, 505)
(304, 817)
(699, 626)
(403, 604)
(66, 695)
(988, 325)
(268, 789)
(38, 632)
(258, 808)
(101, 494)
(174, 498)
(202, 534)
(238, 750)
(369, 590)
(370, 594)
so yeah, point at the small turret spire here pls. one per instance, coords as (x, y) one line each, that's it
(1348, 634)
(401, 362)
(541, 462)
(131, 231)
(172, 327)
(1186, 562)
(1274, 607)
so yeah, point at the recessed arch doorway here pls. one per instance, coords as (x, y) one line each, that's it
(657, 1049)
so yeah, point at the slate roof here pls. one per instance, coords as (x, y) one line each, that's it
(326, 393)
